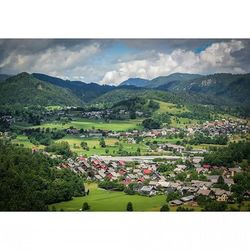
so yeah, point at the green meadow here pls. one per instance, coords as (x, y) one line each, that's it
(23, 140)
(102, 200)
(94, 147)
(170, 108)
(95, 124)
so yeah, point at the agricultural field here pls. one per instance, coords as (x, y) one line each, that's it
(95, 124)
(102, 200)
(95, 149)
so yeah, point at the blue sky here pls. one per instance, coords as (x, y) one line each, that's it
(111, 61)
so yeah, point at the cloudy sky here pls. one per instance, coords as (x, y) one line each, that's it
(111, 61)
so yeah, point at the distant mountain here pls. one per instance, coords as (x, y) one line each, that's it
(25, 89)
(171, 79)
(233, 87)
(4, 77)
(138, 82)
(85, 91)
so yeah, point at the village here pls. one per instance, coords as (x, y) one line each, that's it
(145, 176)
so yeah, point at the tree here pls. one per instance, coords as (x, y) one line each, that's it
(29, 182)
(216, 206)
(164, 208)
(85, 206)
(84, 145)
(173, 196)
(130, 206)
(220, 180)
(150, 123)
(102, 143)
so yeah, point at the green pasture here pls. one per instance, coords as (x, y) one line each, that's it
(95, 124)
(22, 139)
(170, 108)
(102, 200)
(111, 146)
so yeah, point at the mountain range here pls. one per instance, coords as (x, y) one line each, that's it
(217, 89)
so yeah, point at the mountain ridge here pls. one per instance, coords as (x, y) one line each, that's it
(27, 90)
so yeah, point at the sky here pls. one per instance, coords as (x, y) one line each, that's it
(112, 61)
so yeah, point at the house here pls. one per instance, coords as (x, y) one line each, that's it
(147, 171)
(121, 163)
(126, 182)
(163, 184)
(182, 167)
(184, 190)
(200, 170)
(153, 183)
(234, 171)
(175, 203)
(187, 198)
(247, 195)
(229, 182)
(148, 190)
(221, 194)
(204, 192)
(213, 178)
(102, 173)
(141, 179)
(98, 177)
(173, 147)
(169, 190)
(207, 166)
(174, 185)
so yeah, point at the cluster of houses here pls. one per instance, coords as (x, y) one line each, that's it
(223, 127)
(109, 114)
(149, 181)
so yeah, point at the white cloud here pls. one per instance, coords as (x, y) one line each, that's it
(55, 61)
(215, 58)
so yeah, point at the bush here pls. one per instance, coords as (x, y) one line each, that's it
(85, 206)
(151, 124)
(164, 208)
(130, 207)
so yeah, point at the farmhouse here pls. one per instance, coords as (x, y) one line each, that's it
(221, 194)
(187, 198)
(175, 203)
(148, 190)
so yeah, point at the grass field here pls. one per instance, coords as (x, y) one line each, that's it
(96, 124)
(75, 141)
(22, 139)
(180, 122)
(170, 108)
(102, 200)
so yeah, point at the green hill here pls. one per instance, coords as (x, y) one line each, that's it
(171, 79)
(85, 91)
(27, 90)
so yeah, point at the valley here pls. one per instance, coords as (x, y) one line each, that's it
(157, 149)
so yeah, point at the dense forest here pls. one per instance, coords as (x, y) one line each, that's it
(30, 183)
(229, 156)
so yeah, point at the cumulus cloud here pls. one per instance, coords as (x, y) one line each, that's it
(56, 61)
(111, 61)
(215, 58)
